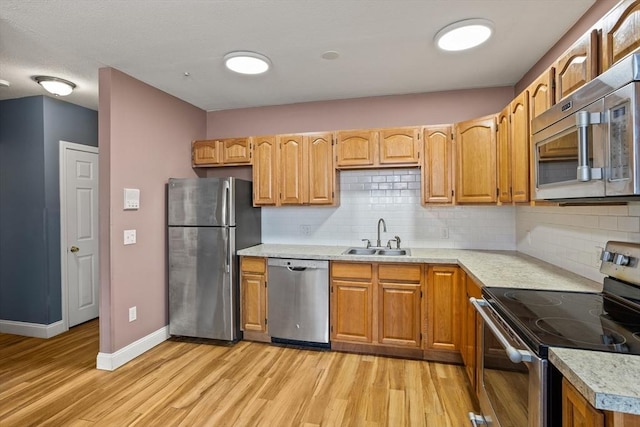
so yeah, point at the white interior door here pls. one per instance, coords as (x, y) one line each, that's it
(81, 229)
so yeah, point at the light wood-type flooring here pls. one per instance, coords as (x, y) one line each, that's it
(178, 383)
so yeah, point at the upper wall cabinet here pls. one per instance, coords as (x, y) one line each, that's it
(356, 149)
(577, 66)
(437, 169)
(265, 171)
(400, 146)
(620, 32)
(476, 161)
(520, 147)
(307, 174)
(541, 96)
(504, 156)
(221, 152)
(378, 148)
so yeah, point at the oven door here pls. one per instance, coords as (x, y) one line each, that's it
(512, 390)
(569, 156)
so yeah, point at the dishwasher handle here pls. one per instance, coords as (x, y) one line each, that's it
(296, 268)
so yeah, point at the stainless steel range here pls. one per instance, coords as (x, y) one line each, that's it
(518, 386)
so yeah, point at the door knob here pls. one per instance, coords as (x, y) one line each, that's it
(74, 249)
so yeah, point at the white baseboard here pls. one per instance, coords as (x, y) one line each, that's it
(112, 361)
(36, 330)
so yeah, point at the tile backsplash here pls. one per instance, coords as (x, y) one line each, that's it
(572, 237)
(392, 194)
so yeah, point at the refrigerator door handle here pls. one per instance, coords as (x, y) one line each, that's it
(225, 204)
(229, 254)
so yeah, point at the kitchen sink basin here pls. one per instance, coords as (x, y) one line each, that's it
(377, 251)
(360, 251)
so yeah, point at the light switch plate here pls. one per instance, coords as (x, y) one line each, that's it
(129, 237)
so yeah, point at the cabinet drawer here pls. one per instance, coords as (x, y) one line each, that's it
(400, 273)
(254, 265)
(349, 270)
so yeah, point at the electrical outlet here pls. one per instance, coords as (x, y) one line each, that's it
(129, 237)
(305, 230)
(133, 313)
(444, 233)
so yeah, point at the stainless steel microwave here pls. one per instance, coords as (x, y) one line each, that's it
(587, 146)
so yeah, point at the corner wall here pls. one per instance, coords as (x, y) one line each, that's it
(145, 138)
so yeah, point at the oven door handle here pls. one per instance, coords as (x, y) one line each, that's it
(515, 355)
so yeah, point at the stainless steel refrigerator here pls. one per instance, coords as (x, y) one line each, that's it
(209, 219)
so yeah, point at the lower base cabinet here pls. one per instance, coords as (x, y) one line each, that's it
(443, 313)
(578, 412)
(376, 307)
(470, 334)
(253, 297)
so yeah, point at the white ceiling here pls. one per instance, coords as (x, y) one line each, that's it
(386, 46)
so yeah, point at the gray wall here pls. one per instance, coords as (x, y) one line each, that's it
(30, 131)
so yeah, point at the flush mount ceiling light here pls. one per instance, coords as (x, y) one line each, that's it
(55, 85)
(246, 62)
(464, 35)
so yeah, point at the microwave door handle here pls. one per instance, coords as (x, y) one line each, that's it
(515, 355)
(583, 120)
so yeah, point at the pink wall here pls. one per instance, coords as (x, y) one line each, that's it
(599, 9)
(383, 111)
(145, 138)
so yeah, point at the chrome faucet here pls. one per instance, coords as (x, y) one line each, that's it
(380, 221)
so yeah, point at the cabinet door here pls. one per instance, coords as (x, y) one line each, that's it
(504, 156)
(321, 171)
(520, 148)
(476, 161)
(443, 308)
(291, 169)
(468, 345)
(576, 411)
(577, 66)
(236, 151)
(541, 94)
(265, 171)
(620, 32)
(437, 174)
(400, 146)
(351, 303)
(253, 294)
(356, 148)
(206, 153)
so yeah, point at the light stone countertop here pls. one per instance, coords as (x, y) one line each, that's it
(609, 381)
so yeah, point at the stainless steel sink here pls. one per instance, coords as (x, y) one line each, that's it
(377, 251)
(393, 252)
(360, 251)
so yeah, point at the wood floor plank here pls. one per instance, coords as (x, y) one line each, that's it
(185, 383)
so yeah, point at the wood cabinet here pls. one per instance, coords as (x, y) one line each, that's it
(400, 146)
(294, 170)
(504, 156)
(520, 148)
(577, 66)
(620, 32)
(369, 148)
(253, 294)
(443, 308)
(307, 175)
(476, 161)
(351, 301)
(541, 94)
(265, 171)
(221, 152)
(469, 338)
(399, 297)
(437, 168)
(576, 411)
(377, 304)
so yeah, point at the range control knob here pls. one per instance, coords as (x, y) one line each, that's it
(606, 256)
(620, 259)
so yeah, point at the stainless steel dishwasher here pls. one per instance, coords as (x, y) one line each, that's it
(298, 295)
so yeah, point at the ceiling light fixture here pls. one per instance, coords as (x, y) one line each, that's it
(247, 62)
(55, 85)
(464, 35)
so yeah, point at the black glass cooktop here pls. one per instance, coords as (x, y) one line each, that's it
(567, 319)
